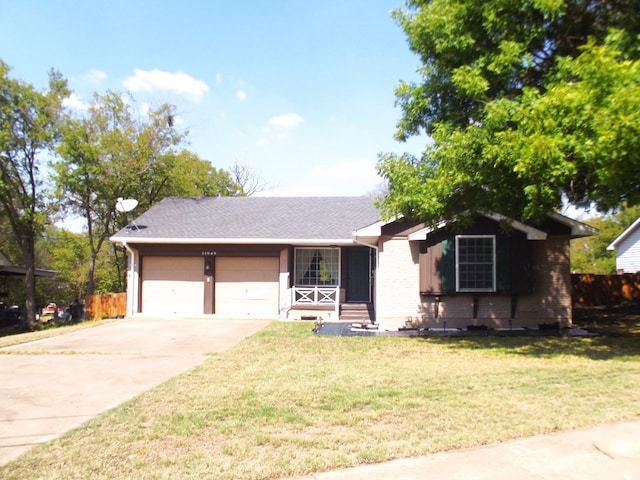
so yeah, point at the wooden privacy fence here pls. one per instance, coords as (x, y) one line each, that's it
(592, 290)
(107, 305)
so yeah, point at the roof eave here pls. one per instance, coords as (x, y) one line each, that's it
(578, 229)
(531, 232)
(233, 241)
(423, 232)
(16, 270)
(375, 229)
(622, 237)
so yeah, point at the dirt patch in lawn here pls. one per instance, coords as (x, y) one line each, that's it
(621, 320)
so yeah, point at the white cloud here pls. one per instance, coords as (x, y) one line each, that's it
(74, 102)
(241, 95)
(179, 82)
(288, 120)
(271, 136)
(361, 169)
(277, 128)
(275, 134)
(95, 76)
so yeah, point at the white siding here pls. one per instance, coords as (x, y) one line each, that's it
(628, 253)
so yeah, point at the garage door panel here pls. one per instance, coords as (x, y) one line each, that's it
(247, 286)
(173, 285)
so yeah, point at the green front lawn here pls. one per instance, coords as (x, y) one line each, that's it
(17, 335)
(285, 403)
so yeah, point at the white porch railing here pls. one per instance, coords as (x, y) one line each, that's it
(316, 295)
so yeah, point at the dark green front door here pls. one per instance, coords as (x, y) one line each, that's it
(358, 274)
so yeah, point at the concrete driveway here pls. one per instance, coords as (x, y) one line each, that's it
(51, 386)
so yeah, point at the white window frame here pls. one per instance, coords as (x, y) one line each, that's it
(296, 280)
(493, 263)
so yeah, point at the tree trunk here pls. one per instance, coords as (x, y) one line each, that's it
(30, 284)
(90, 276)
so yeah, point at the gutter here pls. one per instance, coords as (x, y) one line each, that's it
(234, 241)
(130, 275)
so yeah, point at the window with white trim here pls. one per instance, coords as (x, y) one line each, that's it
(476, 263)
(317, 266)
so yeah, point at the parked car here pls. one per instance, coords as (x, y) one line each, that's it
(9, 315)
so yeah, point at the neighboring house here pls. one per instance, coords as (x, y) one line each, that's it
(10, 315)
(333, 258)
(7, 269)
(627, 247)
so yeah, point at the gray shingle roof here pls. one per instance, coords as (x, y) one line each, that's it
(245, 218)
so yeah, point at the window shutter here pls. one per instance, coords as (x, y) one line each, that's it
(503, 263)
(521, 268)
(448, 267)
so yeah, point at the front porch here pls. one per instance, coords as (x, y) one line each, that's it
(313, 302)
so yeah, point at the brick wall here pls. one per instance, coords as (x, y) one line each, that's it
(551, 299)
(400, 304)
(398, 283)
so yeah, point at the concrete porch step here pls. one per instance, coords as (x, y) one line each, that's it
(356, 312)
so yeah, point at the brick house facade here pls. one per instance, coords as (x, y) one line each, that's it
(334, 259)
(530, 284)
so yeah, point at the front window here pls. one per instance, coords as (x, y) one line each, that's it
(317, 266)
(475, 263)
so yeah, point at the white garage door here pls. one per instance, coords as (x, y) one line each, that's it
(246, 286)
(173, 285)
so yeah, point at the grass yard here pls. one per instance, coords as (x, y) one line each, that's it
(16, 335)
(286, 403)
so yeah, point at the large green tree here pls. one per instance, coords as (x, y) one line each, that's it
(108, 154)
(28, 129)
(526, 104)
(70, 257)
(114, 151)
(192, 176)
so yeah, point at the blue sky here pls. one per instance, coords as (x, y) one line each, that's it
(299, 90)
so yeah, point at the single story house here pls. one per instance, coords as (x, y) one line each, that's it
(335, 259)
(627, 247)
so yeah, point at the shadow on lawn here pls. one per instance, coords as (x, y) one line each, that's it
(617, 329)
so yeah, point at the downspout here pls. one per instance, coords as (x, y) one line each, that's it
(131, 285)
(375, 283)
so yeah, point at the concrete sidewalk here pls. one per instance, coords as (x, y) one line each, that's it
(51, 386)
(610, 452)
